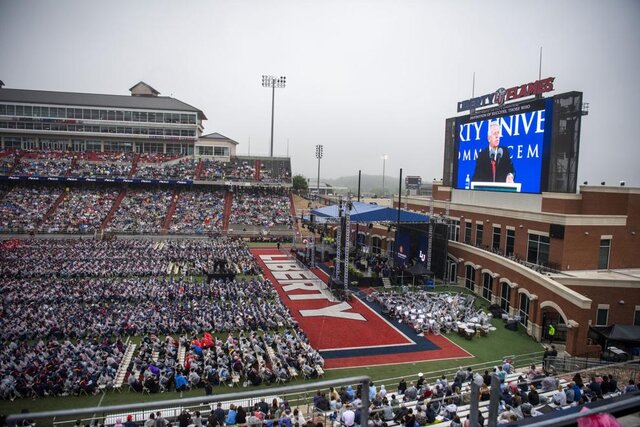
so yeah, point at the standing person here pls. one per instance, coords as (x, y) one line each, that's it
(160, 421)
(219, 415)
(348, 417)
(129, 422)
(551, 331)
(494, 163)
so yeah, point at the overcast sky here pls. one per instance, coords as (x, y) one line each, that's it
(364, 78)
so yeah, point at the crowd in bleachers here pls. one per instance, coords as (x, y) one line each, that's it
(157, 157)
(445, 401)
(101, 170)
(263, 208)
(141, 211)
(91, 164)
(43, 167)
(81, 211)
(234, 170)
(198, 211)
(24, 210)
(184, 169)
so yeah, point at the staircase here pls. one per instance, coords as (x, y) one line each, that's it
(172, 208)
(386, 282)
(72, 166)
(53, 207)
(228, 202)
(134, 166)
(114, 209)
(198, 170)
(257, 171)
(292, 209)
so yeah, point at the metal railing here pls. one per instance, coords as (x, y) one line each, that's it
(105, 411)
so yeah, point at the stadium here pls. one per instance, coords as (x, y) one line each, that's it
(148, 270)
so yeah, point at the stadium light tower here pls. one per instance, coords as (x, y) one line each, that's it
(273, 83)
(318, 156)
(384, 161)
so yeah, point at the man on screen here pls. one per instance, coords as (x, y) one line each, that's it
(494, 163)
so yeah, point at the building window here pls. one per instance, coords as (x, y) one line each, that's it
(636, 316)
(538, 252)
(486, 286)
(469, 277)
(505, 297)
(523, 312)
(467, 233)
(205, 151)
(603, 257)
(495, 245)
(479, 234)
(454, 230)
(602, 316)
(221, 151)
(376, 245)
(511, 242)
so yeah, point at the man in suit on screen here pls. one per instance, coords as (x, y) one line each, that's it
(494, 163)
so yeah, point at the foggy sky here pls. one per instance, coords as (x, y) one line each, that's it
(364, 78)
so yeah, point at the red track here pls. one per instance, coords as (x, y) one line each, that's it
(369, 331)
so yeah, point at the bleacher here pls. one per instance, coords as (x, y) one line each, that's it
(545, 406)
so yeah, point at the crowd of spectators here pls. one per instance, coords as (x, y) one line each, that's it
(70, 258)
(57, 367)
(234, 170)
(24, 207)
(184, 169)
(262, 208)
(67, 304)
(92, 164)
(525, 394)
(42, 167)
(198, 211)
(157, 157)
(90, 308)
(141, 211)
(101, 169)
(8, 159)
(247, 357)
(81, 211)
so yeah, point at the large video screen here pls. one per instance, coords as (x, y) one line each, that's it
(504, 150)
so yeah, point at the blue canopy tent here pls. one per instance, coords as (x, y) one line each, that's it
(366, 213)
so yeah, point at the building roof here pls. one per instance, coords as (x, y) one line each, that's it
(365, 212)
(143, 87)
(220, 137)
(97, 100)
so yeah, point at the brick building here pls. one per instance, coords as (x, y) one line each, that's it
(568, 259)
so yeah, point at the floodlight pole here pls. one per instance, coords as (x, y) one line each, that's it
(319, 148)
(384, 163)
(273, 83)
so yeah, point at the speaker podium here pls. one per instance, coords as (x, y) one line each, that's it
(507, 187)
